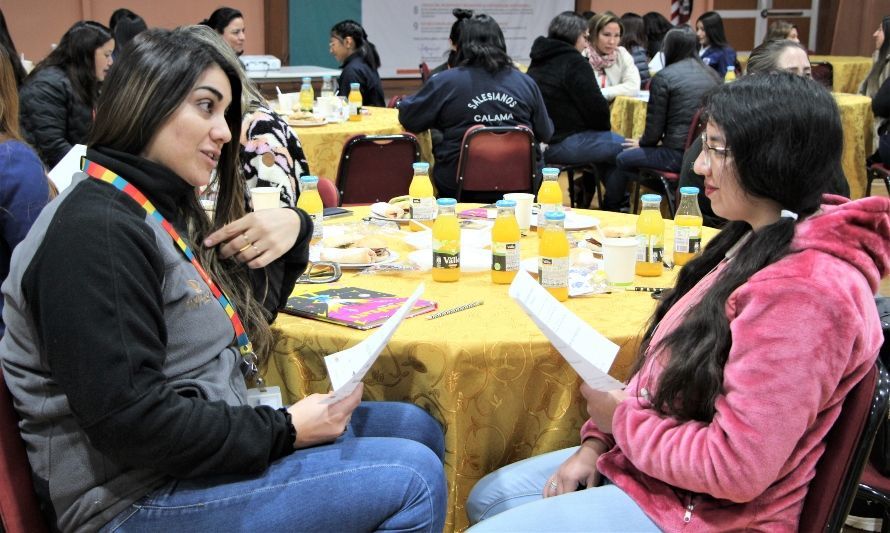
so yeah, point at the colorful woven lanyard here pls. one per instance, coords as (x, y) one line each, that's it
(248, 357)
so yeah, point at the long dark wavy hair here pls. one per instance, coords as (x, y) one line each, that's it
(482, 45)
(792, 166)
(220, 18)
(363, 47)
(454, 36)
(154, 76)
(712, 23)
(656, 26)
(76, 55)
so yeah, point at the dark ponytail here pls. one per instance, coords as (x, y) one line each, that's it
(792, 167)
(365, 48)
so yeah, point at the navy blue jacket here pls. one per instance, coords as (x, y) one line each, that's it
(718, 58)
(458, 98)
(355, 70)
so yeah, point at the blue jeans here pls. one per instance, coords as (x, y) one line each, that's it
(596, 147)
(509, 499)
(630, 161)
(385, 473)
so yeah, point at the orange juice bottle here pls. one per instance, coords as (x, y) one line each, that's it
(650, 233)
(553, 263)
(423, 202)
(687, 226)
(549, 196)
(355, 102)
(505, 243)
(310, 202)
(307, 95)
(446, 242)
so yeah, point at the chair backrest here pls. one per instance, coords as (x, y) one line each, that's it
(695, 129)
(823, 73)
(424, 72)
(18, 501)
(328, 192)
(847, 447)
(496, 159)
(375, 168)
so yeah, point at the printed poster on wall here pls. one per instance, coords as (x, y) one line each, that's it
(407, 33)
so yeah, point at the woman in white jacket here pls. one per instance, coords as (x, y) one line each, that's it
(613, 66)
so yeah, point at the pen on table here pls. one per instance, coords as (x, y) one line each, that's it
(647, 289)
(457, 309)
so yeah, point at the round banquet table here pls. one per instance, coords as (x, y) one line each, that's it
(500, 390)
(323, 144)
(629, 120)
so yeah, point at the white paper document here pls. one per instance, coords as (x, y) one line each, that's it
(347, 368)
(588, 352)
(69, 165)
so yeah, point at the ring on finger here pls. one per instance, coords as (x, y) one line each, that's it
(554, 485)
(246, 246)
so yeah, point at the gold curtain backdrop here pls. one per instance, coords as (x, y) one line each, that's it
(487, 374)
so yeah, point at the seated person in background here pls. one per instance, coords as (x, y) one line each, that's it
(771, 56)
(656, 26)
(614, 68)
(359, 62)
(453, 38)
(25, 189)
(6, 42)
(782, 29)
(485, 88)
(874, 83)
(743, 368)
(633, 39)
(580, 113)
(715, 50)
(271, 154)
(144, 386)
(675, 95)
(229, 23)
(125, 29)
(59, 96)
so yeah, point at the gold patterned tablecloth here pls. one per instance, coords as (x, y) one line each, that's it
(323, 144)
(629, 120)
(487, 374)
(847, 71)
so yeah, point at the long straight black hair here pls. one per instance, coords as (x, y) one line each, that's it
(784, 137)
(712, 23)
(482, 45)
(365, 48)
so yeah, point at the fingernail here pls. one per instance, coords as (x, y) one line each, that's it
(208, 242)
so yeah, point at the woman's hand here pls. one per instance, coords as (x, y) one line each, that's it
(630, 144)
(579, 470)
(601, 405)
(257, 238)
(318, 422)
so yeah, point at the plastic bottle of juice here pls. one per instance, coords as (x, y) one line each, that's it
(423, 202)
(650, 233)
(307, 95)
(446, 242)
(505, 239)
(730, 74)
(553, 263)
(310, 202)
(549, 195)
(687, 226)
(327, 88)
(355, 102)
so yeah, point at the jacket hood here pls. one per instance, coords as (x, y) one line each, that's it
(856, 231)
(545, 48)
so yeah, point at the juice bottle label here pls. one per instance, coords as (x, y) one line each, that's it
(423, 208)
(446, 254)
(505, 256)
(650, 249)
(544, 209)
(317, 225)
(687, 239)
(553, 272)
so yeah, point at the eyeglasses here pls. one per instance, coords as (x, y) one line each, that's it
(721, 151)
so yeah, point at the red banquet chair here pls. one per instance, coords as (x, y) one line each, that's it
(495, 160)
(375, 168)
(328, 192)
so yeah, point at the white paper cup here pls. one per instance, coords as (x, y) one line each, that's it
(619, 260)
(523, 209)
(286, 102)
(265, 198)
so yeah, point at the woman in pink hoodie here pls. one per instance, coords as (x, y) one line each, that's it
(745, 364)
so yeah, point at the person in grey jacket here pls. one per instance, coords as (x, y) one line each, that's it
(675, 95)
(58, 97)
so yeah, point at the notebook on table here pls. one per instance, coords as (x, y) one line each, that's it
(354, 307)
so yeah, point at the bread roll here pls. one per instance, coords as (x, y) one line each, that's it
(371, 241)
(358, 256)
(341, 241)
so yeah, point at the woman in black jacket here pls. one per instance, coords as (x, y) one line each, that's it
(359, 60)
(674, 96)
(579, 111)
(58, 97)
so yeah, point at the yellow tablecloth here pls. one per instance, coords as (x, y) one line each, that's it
(487, 374)
(629, 120)
(847, 71)
(323, 144)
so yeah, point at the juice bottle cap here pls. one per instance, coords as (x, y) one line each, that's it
(354, 85)
(309, 179)
(651, 198)
(505, 203)
(446, 201)
(307, 79)
(688, 190)
(420, 165)
(326, 78)
(550, 171)
(555, 215)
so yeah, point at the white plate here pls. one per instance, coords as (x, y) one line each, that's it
(377, 212)
(388, 259)
(471, 259)
(306, 123)
(574, 221)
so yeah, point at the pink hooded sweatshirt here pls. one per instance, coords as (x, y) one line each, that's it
(805, 330)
